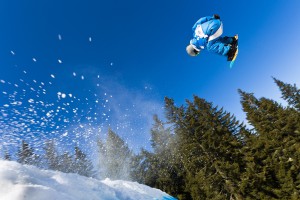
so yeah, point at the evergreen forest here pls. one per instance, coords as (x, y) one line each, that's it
(200, 151)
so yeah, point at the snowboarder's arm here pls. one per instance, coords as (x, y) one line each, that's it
(198, 43)
(201, 21)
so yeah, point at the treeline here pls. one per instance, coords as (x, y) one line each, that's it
(113, 160)
(66, 162)
(203, 152)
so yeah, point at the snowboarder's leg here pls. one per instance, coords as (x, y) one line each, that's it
(220, 45)
(227, 40)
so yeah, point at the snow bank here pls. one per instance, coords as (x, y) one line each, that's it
(18, 182)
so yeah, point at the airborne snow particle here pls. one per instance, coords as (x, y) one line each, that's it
(34, 60)
(52, 76)
(90, 39)
(82, 77)
(48, 114)
(2, 81)
(59, 61)
(31, 101)
(63, 95)
(12, 52)
(59, 37)
(74, 74)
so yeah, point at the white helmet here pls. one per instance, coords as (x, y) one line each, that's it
(191, 50)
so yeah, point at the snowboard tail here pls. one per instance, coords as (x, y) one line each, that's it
(236, 52)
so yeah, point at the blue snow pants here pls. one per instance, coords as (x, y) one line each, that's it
(220, 45)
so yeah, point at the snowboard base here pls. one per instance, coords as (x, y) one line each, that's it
(236, 53)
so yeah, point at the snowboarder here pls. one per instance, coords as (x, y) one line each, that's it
(207, 33)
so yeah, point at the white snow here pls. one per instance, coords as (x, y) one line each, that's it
(31, 101)
(23, 182)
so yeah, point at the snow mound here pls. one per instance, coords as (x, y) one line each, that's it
(23, 182)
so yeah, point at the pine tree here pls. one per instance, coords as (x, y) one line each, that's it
(26, 154)
(163, 157)
(290, 93)
(115, 157)
(7, 156)
(209, 141)
(272, 152)
(160, 137)
(160, 168)
(51, 155)
(83, 166)
(66, 163)
(143, 169)
(102, 158)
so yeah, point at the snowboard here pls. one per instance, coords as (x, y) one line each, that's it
(236, 53)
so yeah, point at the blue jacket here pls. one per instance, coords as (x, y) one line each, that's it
(204, 30)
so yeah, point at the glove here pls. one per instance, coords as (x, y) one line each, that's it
(216, 16)
(199, 43)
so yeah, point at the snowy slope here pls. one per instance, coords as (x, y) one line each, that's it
(18, 182)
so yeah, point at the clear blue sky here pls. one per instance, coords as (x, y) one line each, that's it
(129, 55)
